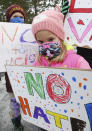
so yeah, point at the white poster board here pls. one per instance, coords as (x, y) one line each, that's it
(54, 99)
(78, 23)
(17, 45)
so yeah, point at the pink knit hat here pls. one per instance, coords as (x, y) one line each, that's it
(51, 20)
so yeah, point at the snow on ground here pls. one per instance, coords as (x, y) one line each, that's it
(5, 121)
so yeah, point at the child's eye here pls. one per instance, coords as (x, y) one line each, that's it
(51, 39)
(18, 16)
(15, 16)
(40, 42)
(21, 17)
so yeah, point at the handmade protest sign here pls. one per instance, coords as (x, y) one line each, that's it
(54, 99)
(17, 45)
(78, 23)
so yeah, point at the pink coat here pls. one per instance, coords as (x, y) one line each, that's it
(72, 60)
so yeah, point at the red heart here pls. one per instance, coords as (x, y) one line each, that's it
(78, 10)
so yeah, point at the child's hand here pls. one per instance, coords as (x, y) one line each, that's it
(16, 107)
(65, 7)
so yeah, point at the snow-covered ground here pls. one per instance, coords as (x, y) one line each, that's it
(5, 121)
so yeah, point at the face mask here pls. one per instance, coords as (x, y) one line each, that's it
(17, 20)
(50, 49)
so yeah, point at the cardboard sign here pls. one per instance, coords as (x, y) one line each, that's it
(54, 99)
(17, 45)
(78, 23)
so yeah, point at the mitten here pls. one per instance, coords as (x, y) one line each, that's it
(15, 107)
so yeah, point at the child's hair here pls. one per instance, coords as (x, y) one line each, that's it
(51, 20)
(13, 9)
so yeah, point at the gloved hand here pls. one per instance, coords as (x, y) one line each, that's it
(65, 7)
(15, 107)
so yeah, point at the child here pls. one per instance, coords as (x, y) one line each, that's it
(14, 14)
(48, 30)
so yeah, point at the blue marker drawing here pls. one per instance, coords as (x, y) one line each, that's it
(22, 38)
(74, 79)
(89, 112)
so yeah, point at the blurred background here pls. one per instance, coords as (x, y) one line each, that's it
(31, 7)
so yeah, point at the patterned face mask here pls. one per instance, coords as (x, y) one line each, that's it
(50, 49)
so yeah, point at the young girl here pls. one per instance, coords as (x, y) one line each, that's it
(48, 30)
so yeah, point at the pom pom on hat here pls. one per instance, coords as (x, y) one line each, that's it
(12, 9)
(51, 20)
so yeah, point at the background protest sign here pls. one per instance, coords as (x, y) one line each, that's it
(78, 23)
(17, 45)
(54, 99)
